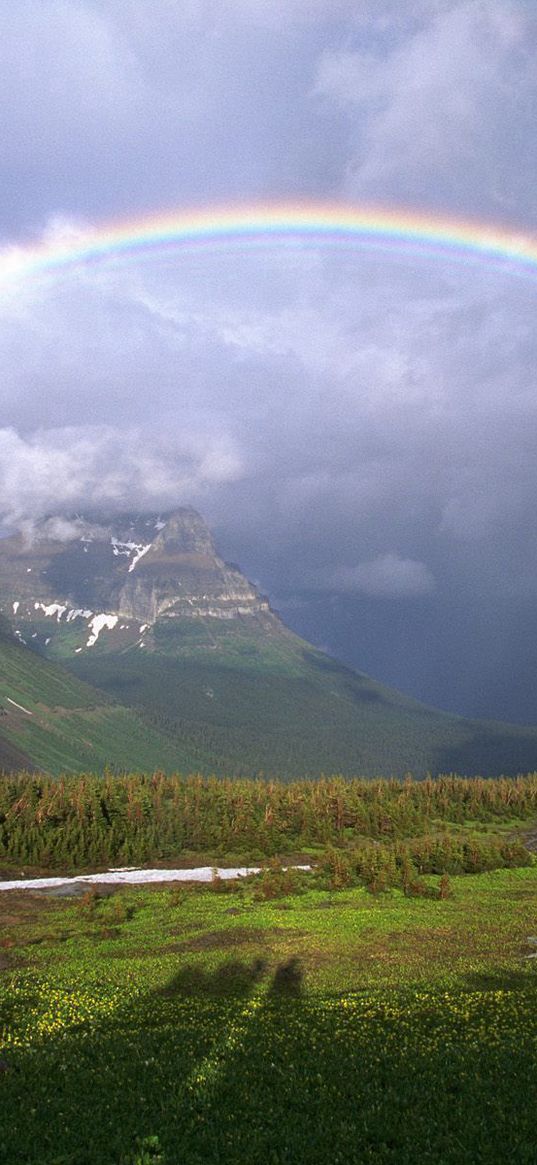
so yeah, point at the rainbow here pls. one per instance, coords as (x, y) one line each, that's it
(308, 222)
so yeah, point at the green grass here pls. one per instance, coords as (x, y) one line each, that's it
(234, 697)
(255, 699)
(194, 1028)
(64, 724)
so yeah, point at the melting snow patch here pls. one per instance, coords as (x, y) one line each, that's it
(139, 554)
(15, 705)
(123, 547)
(97, 624)
(133, 876)
(52, 609)
(16, 606)
(129, 548)
(143, 628)
(79, 613)
(159, 525)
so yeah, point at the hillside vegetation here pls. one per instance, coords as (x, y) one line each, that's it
(51, 720)
(144, 609)
(241, 701)
(390, 829)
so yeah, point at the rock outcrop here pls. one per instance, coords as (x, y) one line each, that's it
(124, 574)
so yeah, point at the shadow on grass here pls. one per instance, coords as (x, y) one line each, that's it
(510, 980)
(288, 980)
(230, 978)
(212, 1069)
(235, 979)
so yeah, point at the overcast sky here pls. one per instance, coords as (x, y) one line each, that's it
(358, 425)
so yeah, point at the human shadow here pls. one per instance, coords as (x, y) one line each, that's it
(235, 978)
(288, 980)
(192, 1072)
(230, 978)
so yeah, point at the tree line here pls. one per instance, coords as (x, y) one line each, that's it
(89, 820)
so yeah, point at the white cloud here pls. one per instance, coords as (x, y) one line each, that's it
(388, 576)
(61, 470)
(431, 111)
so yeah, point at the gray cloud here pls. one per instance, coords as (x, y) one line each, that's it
(65, 469)
(357, 417)
(387, 576)
(443, 107)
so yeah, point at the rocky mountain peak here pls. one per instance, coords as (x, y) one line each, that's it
(120, 570)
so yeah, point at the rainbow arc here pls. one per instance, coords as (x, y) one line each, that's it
(314, 222)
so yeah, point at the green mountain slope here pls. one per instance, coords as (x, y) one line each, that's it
(297, 713)
(143, 608)
(51, 720)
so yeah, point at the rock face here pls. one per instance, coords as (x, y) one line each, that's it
(180, 574)
(94, 574)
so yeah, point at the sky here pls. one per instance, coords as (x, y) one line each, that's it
(358, 424)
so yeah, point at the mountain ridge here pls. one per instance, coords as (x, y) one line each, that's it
(138, 568)
(142, 608)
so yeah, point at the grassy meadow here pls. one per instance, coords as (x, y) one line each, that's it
(253, 1024)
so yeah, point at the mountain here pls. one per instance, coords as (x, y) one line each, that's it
(51, 720)
(142, 608)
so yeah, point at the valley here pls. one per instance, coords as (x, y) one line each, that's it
(187, 654)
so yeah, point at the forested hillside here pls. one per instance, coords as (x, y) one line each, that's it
(80, 821)
(50, 720)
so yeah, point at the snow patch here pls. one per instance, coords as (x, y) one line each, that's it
(15, 705)
(133, 877)
(139, 554)
(16, 606)
(143, 628)
(124, 547)
(97, 624)
(53, 609)
(78, 613)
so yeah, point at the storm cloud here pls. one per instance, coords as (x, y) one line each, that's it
(358, 424)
